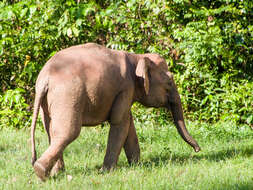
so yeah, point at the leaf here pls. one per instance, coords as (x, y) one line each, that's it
(32, 9)
(23, 12)
(109, 11)
(79, 22)
(249, 120)
(17, 98)
(10, 14)
(75, 31)
(130, 3)
(1, 49)
(52, 53)
(88, 10)
(69, 32)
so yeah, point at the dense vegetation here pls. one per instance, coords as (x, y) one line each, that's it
(208, 45)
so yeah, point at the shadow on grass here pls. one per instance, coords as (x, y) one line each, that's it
(4, 148)
(238, 186)
(75, 171)
(214, 156)
(156, 159)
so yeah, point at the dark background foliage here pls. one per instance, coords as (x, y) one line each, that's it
(208, 46)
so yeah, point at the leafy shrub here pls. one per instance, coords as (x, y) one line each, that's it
(207, 44)
(14, 110)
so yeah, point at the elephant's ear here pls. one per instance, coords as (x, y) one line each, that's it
(142, 71)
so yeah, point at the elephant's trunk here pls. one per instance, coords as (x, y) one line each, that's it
(177, 113)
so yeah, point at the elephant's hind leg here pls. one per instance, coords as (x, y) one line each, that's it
(59, 165)
(65, 127)
(131, 146)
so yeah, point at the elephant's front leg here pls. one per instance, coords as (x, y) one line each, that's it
(116, 139)
(120, 122)
(131, 146)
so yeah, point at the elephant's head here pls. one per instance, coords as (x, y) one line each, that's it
(155, 87)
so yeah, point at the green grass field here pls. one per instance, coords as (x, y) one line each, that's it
(167, 162)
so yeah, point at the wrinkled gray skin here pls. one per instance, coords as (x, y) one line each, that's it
(86, 85)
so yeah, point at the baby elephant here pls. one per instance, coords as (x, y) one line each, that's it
(88, 84)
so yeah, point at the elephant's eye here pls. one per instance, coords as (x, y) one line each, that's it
(164, 77)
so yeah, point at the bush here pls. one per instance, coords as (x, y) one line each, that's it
(14, 111)
(207, 44)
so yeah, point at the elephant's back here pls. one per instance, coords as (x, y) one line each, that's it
(95, 65)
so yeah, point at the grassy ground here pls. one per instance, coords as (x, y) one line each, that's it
(167, 162)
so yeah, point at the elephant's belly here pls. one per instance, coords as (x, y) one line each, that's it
(95, 115)
(89, 122)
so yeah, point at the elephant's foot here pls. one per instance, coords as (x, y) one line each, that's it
(105, 169)
(134, 159)
(59, 166)
(40, 171)
(108, 166)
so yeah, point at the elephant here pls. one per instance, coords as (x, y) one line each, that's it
(88, 84)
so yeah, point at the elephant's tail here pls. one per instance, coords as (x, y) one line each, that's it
(41, 91)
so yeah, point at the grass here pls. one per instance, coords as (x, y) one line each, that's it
(167, 162)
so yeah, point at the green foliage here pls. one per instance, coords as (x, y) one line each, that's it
(207, 44)
(217, 50)
(14, 111)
